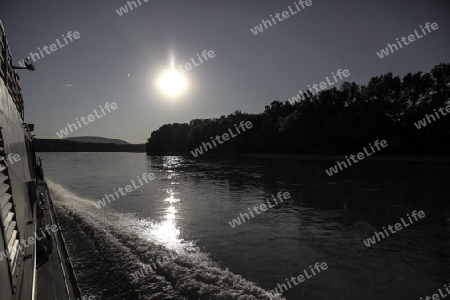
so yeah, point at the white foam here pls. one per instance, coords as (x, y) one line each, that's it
(190, 273)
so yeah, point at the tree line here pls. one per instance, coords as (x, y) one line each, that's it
(58, 145)
(335, 121)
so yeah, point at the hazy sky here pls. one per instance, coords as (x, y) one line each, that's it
(117, 58)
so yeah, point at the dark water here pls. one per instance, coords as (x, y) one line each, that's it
(184, 213)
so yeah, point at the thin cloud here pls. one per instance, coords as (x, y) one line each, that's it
(69, 85)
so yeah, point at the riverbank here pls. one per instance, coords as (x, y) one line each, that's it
(414, 159)
(393, 158)
(58, 145)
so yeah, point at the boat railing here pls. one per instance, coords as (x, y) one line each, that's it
(8, 73)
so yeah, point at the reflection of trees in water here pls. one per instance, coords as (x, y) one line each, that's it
(376, 192)
(259, 178)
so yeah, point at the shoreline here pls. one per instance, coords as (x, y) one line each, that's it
(311, 157)
(395, 158)
(285, 156)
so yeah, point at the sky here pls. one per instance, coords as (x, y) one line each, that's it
(118, 58)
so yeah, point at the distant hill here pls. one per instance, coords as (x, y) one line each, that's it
(97, 140)
(67, 145)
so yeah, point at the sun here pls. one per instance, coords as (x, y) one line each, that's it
(171, 82)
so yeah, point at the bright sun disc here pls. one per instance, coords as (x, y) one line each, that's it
(171, 82)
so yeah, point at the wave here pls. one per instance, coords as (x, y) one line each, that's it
(120, 256)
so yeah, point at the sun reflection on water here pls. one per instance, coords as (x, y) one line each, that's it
(166, 232)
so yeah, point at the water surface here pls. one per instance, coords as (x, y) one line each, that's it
(185, 213)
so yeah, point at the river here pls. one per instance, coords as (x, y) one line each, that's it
(184, 214)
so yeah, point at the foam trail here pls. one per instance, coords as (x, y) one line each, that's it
(108, 247)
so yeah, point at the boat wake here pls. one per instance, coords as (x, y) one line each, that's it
(109, 248)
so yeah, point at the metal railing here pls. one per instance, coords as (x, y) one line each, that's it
(8, 74)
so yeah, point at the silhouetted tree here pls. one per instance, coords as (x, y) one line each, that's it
(336, 121)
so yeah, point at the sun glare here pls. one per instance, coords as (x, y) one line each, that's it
(171, 83)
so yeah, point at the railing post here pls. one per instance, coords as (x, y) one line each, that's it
(4, 57)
